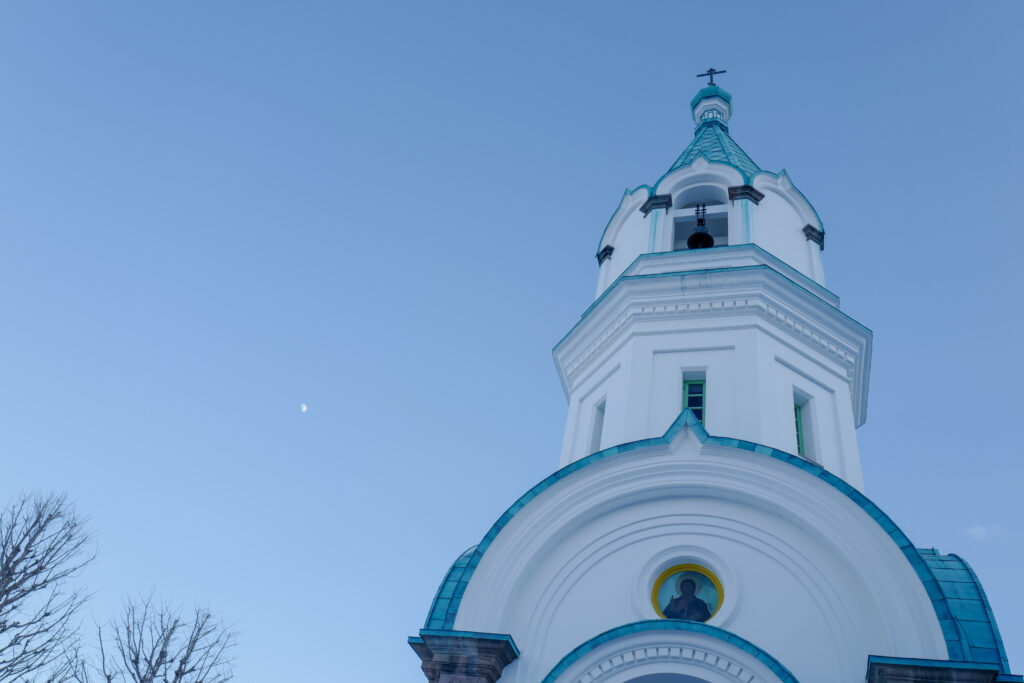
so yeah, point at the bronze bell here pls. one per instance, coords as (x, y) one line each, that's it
(700, 239)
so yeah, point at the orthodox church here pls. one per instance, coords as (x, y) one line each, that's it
(707, 522)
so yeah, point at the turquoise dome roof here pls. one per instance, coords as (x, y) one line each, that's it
(712, 91)
(711, 140)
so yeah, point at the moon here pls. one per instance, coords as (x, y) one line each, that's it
(303, 407)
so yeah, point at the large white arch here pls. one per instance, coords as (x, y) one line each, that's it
(576, 560)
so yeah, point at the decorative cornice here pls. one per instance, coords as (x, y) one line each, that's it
(673, 654)
(783, 318)
(657, 201)
(745, 192)
(815, 235)
(754, 289)
(729, 256)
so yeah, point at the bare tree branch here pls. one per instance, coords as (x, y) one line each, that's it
(155, 644)
(42, 545)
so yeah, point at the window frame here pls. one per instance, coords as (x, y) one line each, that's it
(703, 408)
(798, 412)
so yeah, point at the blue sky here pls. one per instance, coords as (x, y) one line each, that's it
(212, 213)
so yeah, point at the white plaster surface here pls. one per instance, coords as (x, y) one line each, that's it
(808, 576)
(758, 336)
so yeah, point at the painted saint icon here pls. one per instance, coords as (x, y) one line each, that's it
(687, 592)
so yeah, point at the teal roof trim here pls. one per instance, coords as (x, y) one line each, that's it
(671, 625)
(951, 617)
(449, 593)
(711, 140)
(969, 609)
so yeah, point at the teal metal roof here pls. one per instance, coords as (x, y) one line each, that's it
(449, 593)
(970, 615)
(711, 141)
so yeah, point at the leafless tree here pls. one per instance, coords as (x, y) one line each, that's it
(154, 644)
(43, 545)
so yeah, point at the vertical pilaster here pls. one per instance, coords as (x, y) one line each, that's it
(652, 239)
(743, 198)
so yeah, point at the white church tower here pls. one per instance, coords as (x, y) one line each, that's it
(707, 524)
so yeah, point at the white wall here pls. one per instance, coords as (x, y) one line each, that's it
(755, 336)
(777, 227)
(632, 239)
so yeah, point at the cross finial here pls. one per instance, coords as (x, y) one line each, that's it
(710, 73)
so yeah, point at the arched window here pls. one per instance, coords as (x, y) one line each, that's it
(715, 218)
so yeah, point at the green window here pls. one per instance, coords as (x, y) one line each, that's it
(798, 411)
(693, 397)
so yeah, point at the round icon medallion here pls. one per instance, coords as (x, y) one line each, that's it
(687, 591)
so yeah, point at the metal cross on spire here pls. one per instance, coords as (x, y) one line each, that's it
(711, 73)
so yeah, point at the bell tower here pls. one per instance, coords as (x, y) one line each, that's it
(707, 523)
(711, 297)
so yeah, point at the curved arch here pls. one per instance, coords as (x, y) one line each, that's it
(700, 171)
(781, 672)
(710, 194)
(445, 608)
(783, 186)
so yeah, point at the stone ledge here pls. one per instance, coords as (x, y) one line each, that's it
(745, 192)
(905, 670)
(658, 201)
(462, 656)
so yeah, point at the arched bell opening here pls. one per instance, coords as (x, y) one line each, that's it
(705, 193)
(701, 218)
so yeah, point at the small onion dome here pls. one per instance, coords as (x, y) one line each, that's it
(712, 103)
